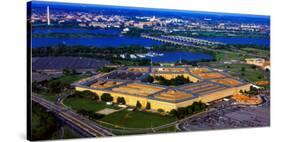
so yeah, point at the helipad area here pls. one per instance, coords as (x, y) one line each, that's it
(129, 82)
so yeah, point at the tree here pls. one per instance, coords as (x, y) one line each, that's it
(57, 86)
(66, 71)
(241, 91)
(267, 70)
(138, 105)
(105, 69)
(196, 106)
(185, 111)
(243, 69)
(160, 110)
(179, 80)
(174, 113)
(181, 112)
(148, 106)
(202, 105)
(106, 97)
(189, 110)
(253, 67)
(121, 100)
(85, 94)
(88, 73)
(90, 94)
(35, 86)
(253, 91)
(150, 79)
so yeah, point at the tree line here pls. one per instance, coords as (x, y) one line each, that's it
(179, 80)
(111, 54)
(189, 110)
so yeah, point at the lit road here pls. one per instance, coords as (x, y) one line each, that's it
(85, 125)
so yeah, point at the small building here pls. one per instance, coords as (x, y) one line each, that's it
(260, 62)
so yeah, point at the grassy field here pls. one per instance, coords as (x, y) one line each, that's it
(86, 104)
(35, 121)
(137, 119)
(168, 129)
(43, 124)
(66, 134)
(260, 52)
(250, 73)
(69, 78)
(226, 57)
(49, 96)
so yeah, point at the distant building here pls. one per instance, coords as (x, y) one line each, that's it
(260, 62)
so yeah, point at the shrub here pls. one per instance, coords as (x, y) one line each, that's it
(189, 110)
(150, 79)
(121, 100)
(106, 97)
(174, 113)
(160, 110)
(90, 114)
(86, 94)
(138, 105)
(148, 105)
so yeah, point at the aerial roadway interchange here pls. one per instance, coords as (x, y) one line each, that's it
(207, 85)
(85, 126)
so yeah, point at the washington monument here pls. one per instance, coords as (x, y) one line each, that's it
(48, 16)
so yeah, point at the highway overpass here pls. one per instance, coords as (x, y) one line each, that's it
(88, 127)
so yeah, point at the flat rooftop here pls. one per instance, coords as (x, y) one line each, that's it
(139, 89)
(168, 69)
(197, 70)
(128, 81)
(122, 75)
(202, 88)
(210, 75)
(173, 95)
(227, 81)
(103, 84)
(138, 69)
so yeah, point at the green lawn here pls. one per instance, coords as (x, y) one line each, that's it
(261, 52)
(225, 57)
(66, 134)
(35, 121)
(137, 119)
(168, 129)
(49, 96)
(251, 74)
(69, 78)
(86, 104)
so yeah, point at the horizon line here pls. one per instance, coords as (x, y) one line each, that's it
(149, 8)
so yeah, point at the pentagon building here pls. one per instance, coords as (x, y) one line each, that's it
(129, 82)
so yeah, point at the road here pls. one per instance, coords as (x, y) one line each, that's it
(176, 41)
(85, 125)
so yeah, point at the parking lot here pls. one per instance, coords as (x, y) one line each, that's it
(226, 114)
